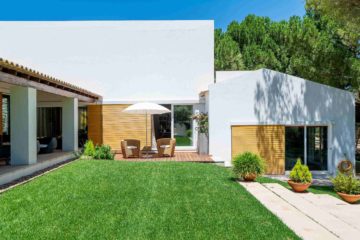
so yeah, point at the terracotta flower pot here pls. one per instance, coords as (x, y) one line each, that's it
(299, 187)
(350, 198)
(249, 177)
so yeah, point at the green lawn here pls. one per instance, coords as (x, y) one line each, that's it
(183, 141)
(90, 199)
(313, 189)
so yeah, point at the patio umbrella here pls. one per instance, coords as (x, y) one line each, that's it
(146, 108)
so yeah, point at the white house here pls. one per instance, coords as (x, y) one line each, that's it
(280, 117)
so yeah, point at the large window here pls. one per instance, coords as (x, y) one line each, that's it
(313, 154)
(183, 125)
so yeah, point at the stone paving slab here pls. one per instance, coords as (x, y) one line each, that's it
(321, 215)
(301, 224)
(349, 213)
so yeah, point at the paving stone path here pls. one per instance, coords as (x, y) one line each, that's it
(310, 216)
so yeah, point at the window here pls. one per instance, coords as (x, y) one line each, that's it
(314, 154)
(82, 125)
(294, 146)
(49, 122)
(316, 148)
(183, 125)
(5, 118)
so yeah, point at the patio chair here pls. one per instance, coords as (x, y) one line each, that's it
(166, 147)
(130, 148)
(51, 146)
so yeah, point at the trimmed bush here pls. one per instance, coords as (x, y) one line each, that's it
(89, 148)
(103, 152)
(347, 184)
(300, 173)
(248, 163)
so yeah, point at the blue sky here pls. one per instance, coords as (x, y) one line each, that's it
(222, 11)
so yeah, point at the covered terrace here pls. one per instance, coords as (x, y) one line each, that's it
(39, 115)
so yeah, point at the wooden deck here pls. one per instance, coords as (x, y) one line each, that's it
(179, 157)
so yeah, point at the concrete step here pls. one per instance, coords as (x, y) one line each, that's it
(321, 215)
(301, 224)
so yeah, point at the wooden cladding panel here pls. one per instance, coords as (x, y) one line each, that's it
(118, 125)
(266, 141)
(95, 132)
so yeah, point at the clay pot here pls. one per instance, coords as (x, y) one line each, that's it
(350, 198)
(299, 187)
(250, 177)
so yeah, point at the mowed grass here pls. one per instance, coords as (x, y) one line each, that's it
(90, 199)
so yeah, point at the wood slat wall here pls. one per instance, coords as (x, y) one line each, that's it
(267, 141)
(95, 123)
(118, 125)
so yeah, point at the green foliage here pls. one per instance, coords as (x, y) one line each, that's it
(347, 184)
(89, 148)
(103, 152)
(300, 173)
(307, 47)
(202, 120)
(188, 133)
(343, 14)
(248, 163)
(227, 53)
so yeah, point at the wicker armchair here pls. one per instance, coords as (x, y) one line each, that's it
(166, 147)
(130, 148)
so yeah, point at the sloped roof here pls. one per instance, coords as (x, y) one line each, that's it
(15, 69)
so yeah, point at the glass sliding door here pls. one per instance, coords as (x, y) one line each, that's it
(162, 124)
(310, 145)
(183, 125)
(294, 146)
(316, 148)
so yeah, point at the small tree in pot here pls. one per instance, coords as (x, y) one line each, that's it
(347, 187)
(248, 166)
(300, 177)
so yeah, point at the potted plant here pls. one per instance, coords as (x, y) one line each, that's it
(202, 121)
(300, 177)
(248, 166)
(347, 187)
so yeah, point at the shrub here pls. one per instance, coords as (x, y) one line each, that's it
(103, 152)
(189, 133)
(89, 149)
(347, 184)
(300, 173)
(248, 163)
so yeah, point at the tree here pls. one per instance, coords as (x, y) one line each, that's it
(345, 14)
(308, 47)
(227, 53)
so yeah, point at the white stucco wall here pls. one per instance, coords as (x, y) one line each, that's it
(269, 97)
(124, 61)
